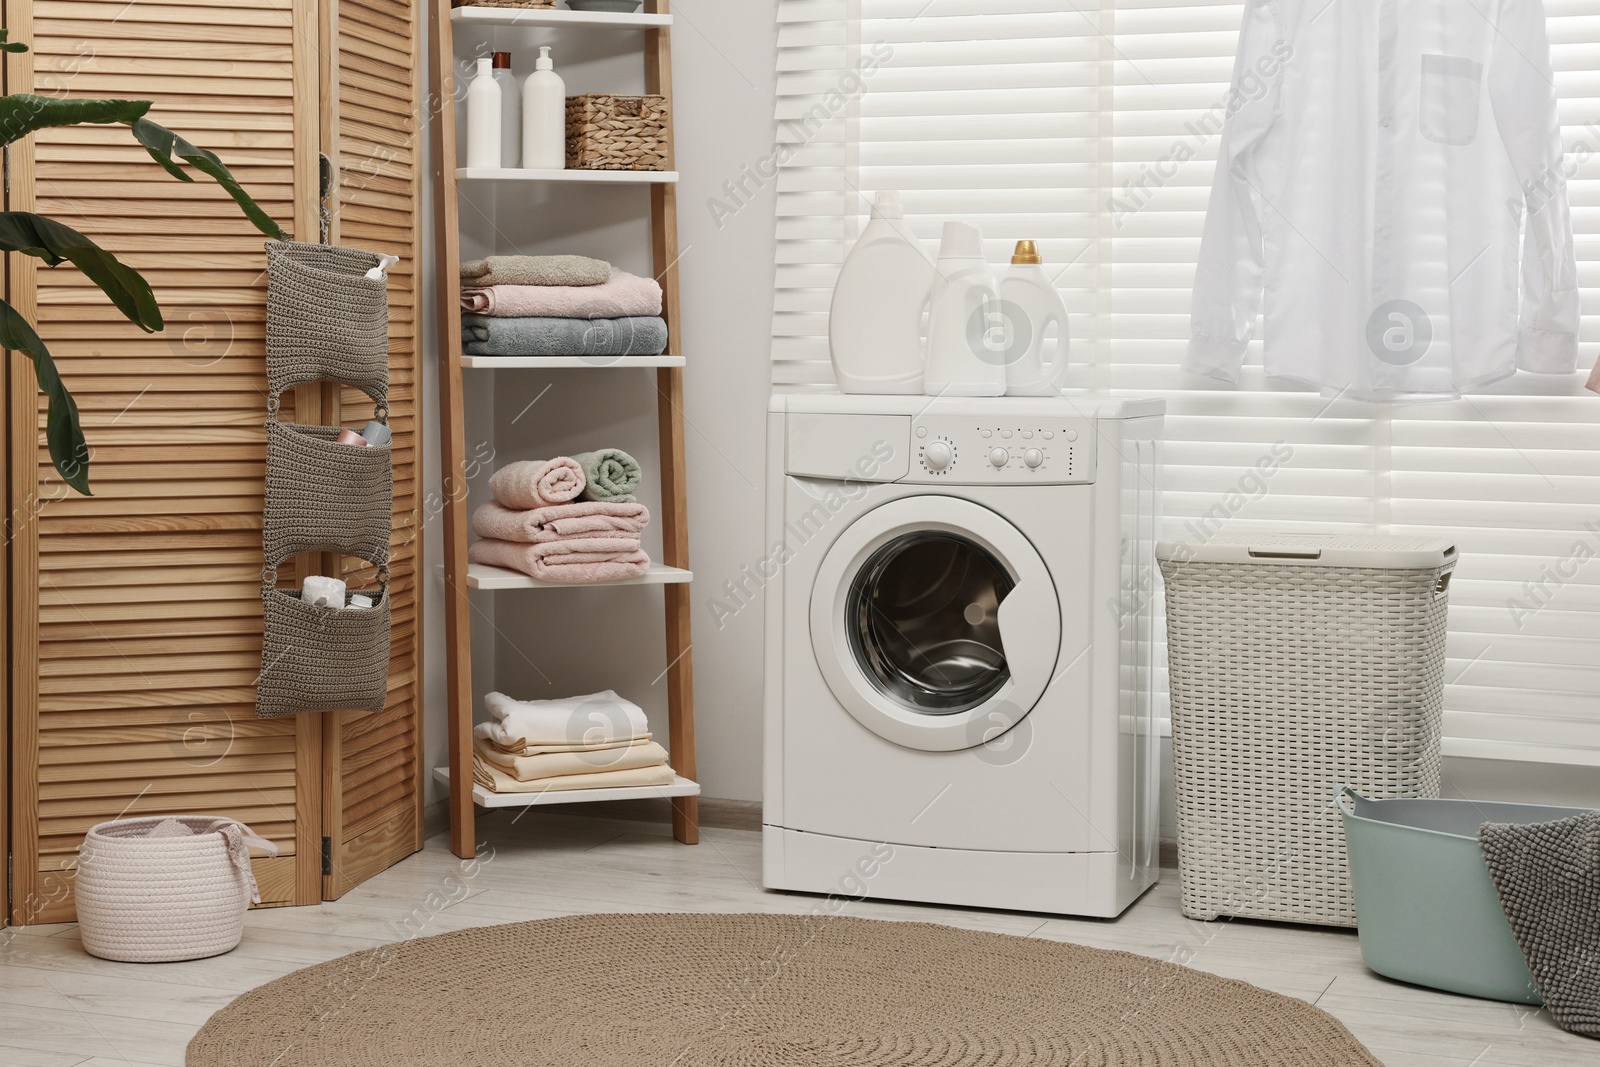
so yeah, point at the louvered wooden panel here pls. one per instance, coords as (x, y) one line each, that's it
(373, 808)
(135, 652)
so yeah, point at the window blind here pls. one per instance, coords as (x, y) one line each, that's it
(1093, 129)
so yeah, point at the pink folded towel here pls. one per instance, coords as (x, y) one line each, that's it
(576, 560)
(537, 483)
(623, 296)
(581, 518)
(1594, 378)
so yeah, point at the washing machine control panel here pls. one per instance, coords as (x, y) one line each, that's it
(984, 450)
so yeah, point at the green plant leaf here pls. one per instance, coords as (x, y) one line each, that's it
(46, 239)
(63, 432)
(163, 144)
(22, 113)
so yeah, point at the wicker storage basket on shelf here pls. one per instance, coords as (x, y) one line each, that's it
(503, 3)
(608, 132)
(143, 899)
(1298, 663)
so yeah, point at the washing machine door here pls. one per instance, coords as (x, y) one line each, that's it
(935, 623)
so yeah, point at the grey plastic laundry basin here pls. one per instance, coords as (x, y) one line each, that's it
(1425, 906)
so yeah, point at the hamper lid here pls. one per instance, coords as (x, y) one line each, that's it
(1372, 551)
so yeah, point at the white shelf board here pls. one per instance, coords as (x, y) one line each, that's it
(680, 787)
(556, 362)
(602, 177)
(483, 576)
(558, 17)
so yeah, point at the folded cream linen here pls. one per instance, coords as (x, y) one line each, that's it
(574, 561)
(537, 483)
(495, 780)
(590, 719)
(536, 270)
(560, 764)
(491, 733)
(623, 296)
(581, 518)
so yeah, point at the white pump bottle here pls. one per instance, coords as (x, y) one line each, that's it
(875, 321)
(544, 117)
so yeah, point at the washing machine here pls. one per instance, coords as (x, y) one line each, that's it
(959, 700)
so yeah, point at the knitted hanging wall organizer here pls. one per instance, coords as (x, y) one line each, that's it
(327, 321)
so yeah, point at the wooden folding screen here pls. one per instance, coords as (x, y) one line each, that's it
(135, 619)
(374, 800)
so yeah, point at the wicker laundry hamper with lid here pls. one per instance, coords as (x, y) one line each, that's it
(1298, 663)
(177, 893)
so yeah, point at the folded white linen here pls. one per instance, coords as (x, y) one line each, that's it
(591, 719)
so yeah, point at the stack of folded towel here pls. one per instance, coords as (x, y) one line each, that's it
(599, 741)
(569, 519)
(558, 306)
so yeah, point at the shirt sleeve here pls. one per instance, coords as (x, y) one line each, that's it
(1523, 95)
(1228, 277)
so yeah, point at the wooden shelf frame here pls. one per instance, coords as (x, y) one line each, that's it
(655, 23)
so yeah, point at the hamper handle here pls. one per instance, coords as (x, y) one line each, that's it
(1342, 798)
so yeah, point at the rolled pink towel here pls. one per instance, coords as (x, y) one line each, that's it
(625, 295)
(1594, 378)
(581, 518)
(575, 560)
(537, 483)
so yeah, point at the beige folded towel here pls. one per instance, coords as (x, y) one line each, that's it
(494, 779)
(575, 560)
(560, 764)
(492, 732)
(581, 518)
(536, 270)
(537, 483)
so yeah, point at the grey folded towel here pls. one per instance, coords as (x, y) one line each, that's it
(484, 335)
(610, 475)
(1547, 876)
(535, 270)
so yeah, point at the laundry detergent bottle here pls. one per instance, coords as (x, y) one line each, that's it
(964, 319)
(875, 321)
(1036, 363)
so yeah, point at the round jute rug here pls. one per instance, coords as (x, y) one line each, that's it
(767, 990)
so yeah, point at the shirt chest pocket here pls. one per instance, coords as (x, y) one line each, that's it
(1448, 103)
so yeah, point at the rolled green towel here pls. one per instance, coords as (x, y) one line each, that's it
(612, 475)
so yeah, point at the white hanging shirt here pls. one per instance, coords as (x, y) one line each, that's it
(1390, 195)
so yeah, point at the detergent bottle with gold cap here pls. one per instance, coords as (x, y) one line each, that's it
(1036, 318)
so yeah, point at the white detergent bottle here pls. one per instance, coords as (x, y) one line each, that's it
(510, 112)
(963, 356)
(544, 117)
(483, 118)
(1037, 360)
(875, 321)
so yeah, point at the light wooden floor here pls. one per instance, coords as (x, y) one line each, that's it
(62, 1008)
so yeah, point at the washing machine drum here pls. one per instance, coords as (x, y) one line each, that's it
(935, 622)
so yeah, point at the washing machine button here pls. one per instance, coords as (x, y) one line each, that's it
(999, 457)
(1072, 435)
(938, 455)
(1033, 458)
(985, 433)
(1005, 433)
(922, 431)
(1047, 434)
(1027, 434)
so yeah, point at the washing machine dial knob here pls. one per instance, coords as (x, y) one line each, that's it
(999, 457)
(1033, 458)
(938, 455)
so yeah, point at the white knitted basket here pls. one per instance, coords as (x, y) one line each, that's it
(147, 899)
(1297, 663)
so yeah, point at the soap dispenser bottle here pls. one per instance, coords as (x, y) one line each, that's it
(483, 118)
(875, 320)
(1038, 361)
(544, 117)
(510, 112)
(964, 311)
